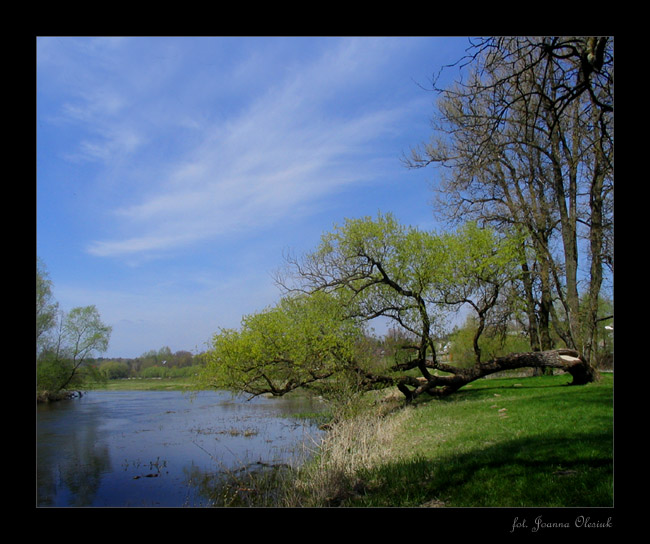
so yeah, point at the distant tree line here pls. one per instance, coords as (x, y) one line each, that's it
(161, 363)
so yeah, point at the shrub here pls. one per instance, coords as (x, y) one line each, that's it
(113, 370)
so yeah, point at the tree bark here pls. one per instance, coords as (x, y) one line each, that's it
(568, 360)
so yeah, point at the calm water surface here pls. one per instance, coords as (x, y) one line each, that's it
(155, 448)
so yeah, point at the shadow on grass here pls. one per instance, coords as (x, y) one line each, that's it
(526, 387)
(544, 471)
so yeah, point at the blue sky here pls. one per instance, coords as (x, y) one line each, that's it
(173, 174)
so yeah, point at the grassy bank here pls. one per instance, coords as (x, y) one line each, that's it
(146, 384)
(524, 442)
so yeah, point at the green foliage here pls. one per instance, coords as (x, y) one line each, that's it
(360, 255)
(185, 371)
(479, 258)
(51, 372)
(392, 270)
(363, 269)
(154, 372)
(162, 358)
(602, 350)
(64, 364)
(302, 339)
(55, 374)
(493, 343)
(164, 371)
(85, 332)
(113, 370)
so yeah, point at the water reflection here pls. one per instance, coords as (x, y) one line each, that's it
(160, 448)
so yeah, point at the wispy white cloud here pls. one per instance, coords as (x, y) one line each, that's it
(284, 149)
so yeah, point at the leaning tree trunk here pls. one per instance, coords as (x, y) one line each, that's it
(567, 360)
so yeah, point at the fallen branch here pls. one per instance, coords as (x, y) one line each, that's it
(562, 359)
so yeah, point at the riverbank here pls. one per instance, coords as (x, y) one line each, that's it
(127, 384)
(49, 396)
(522, 442)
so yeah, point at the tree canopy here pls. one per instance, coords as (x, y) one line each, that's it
(301, 340)
(367, 269)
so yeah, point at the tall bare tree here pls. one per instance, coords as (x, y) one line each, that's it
(526, 142)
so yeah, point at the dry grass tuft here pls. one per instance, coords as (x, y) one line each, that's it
(349, 447)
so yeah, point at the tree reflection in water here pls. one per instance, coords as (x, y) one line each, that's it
(167, 448)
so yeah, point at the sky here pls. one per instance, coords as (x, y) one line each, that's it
(173, 174)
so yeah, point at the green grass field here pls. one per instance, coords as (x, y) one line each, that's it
(524, 442)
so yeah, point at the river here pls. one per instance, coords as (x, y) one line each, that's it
(158, 448)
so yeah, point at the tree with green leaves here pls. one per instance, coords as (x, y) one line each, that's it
(302, 340)
(64, 341)
(376, 268)
(113, 370)
(80, 333)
